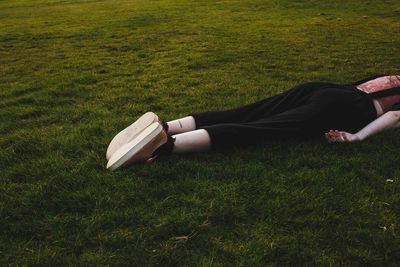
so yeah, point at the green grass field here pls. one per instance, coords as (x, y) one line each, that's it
(73, 73)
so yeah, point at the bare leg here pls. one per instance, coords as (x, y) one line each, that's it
(193, 141)
(181, 125)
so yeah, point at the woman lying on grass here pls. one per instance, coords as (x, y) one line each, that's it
(359, 110)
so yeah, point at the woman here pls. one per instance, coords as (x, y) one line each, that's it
(359, 110)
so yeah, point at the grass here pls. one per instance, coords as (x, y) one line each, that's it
(74, 73)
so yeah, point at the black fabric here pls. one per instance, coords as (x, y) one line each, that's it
(396, 107)
(304, 111)
(386, 92)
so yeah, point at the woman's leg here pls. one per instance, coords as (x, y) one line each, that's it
(270, 106)
(301, 122)
(336, 107)
(181, 125)
(250, 112)
(294, 123)
(194, 141)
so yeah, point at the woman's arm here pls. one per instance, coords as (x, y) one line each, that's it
(389, 120)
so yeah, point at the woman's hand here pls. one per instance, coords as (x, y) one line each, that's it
(340, 136)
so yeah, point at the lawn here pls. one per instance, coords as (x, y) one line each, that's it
(75, 72)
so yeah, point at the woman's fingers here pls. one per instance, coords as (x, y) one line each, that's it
(345, 138)
(330, 136)
(336, 136)
(339, 136)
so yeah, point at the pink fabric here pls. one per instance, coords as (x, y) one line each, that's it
(383, 83)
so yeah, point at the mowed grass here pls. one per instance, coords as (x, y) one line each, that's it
(74, 73)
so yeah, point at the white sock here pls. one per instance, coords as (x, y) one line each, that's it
(182, 125)
(193, 141)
